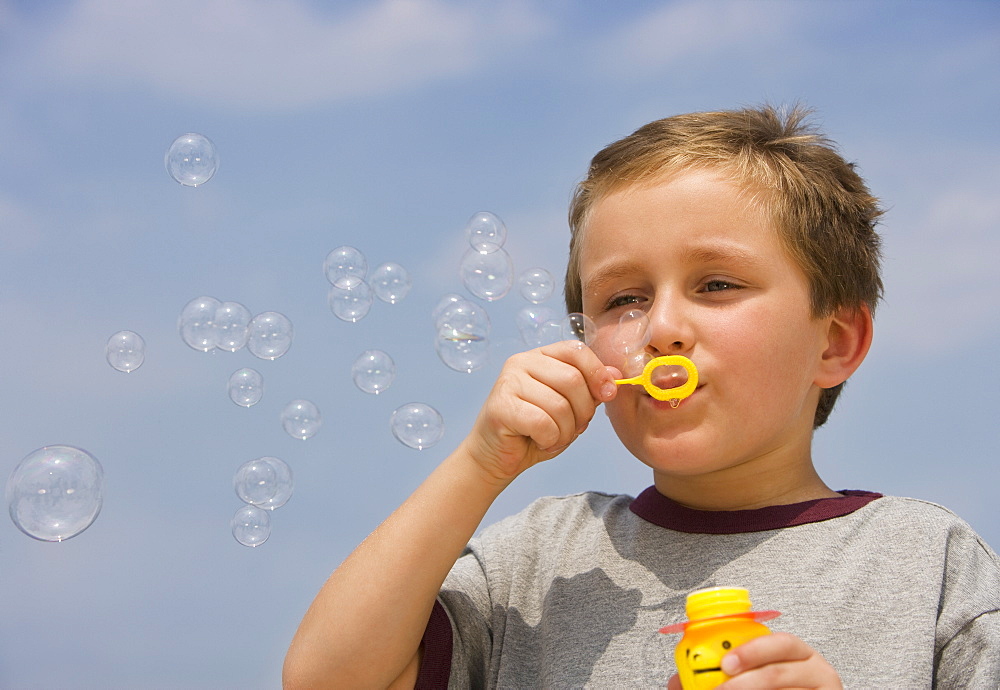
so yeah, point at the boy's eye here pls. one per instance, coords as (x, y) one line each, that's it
(719, 285)
(621, 301)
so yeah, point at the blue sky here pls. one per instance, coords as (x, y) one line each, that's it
(385, 125)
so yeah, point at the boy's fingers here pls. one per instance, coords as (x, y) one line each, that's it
(779, 660)
(599, 378)
(766, 649)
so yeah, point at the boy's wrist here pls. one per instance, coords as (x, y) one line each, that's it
(466, 460)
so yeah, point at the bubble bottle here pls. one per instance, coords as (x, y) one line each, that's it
(719, 619)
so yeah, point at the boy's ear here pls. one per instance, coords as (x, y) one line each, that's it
(849, 336)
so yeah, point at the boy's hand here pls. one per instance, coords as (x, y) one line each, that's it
(779, 660)
(542, 400)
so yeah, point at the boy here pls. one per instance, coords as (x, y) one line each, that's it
(749, 243)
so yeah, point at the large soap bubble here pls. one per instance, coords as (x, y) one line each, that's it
(539, 325)
(270, 335)
(390, 282)
(345, 261)
(191, 160)
(487, 275)
(246, 387)
(301, 419)
(462, 341)
(630, 341)
(55, 492)
(485, 232)
(197, 324)
(536, 285)
(444, 304)
(579, 329)
(126, 351)
(373, 371)
(251, 525)
(417, 425)
(350, 298)
(232, 324)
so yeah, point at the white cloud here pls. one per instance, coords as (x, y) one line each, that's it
(282, 54)
(698, 29)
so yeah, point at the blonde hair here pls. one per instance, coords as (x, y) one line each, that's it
(821, 207)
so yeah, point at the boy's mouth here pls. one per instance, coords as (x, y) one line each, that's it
(669, 376)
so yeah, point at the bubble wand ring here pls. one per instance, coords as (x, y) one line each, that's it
(645, 379)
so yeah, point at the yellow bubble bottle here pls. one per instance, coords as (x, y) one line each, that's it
(719, 619)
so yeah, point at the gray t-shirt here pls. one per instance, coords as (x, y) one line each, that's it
(571, 592)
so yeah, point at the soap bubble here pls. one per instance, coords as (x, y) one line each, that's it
(345, 261)
(390, 282)
(632, 334)
(126, 351)
(270, 335)
(246, 387)
(232, 323)
(485, 232)
(197, 324)
(301, 419)
(283, 484)
(536, 285)
(629, 341)
(251, 525)
(538, 326)
(264, 482)
(350, 298)
(417, 425)
(462, 341)
(55, 492)
(255, 481)
(373, 371)
(578, 328)
(191, 159)
(487, 275)
(444, 304)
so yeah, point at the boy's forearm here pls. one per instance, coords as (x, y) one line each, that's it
(365, 625)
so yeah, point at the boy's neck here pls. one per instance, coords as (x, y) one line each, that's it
(744, 490)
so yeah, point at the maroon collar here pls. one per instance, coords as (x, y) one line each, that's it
(656, 508)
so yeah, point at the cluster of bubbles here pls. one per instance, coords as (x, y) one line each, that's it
(55, 492)
(351, 295)
(206, 324)
(352, 291)
(264, 485)
(462, 327)
(191, 159)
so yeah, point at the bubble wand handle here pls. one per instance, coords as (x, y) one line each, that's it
(645, 379)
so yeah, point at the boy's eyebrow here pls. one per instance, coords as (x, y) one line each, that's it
(725, 254)
(608, 273)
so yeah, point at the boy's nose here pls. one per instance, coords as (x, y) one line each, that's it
(669, 328)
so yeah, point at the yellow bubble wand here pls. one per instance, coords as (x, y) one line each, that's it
(645, 379)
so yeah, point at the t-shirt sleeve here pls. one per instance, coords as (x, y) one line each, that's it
(969, 617)
(458, 641)
(971, 658)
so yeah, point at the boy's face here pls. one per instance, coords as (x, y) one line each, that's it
(719, 288)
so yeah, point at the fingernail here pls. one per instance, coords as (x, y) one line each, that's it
(608, 389)
(730, 664)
